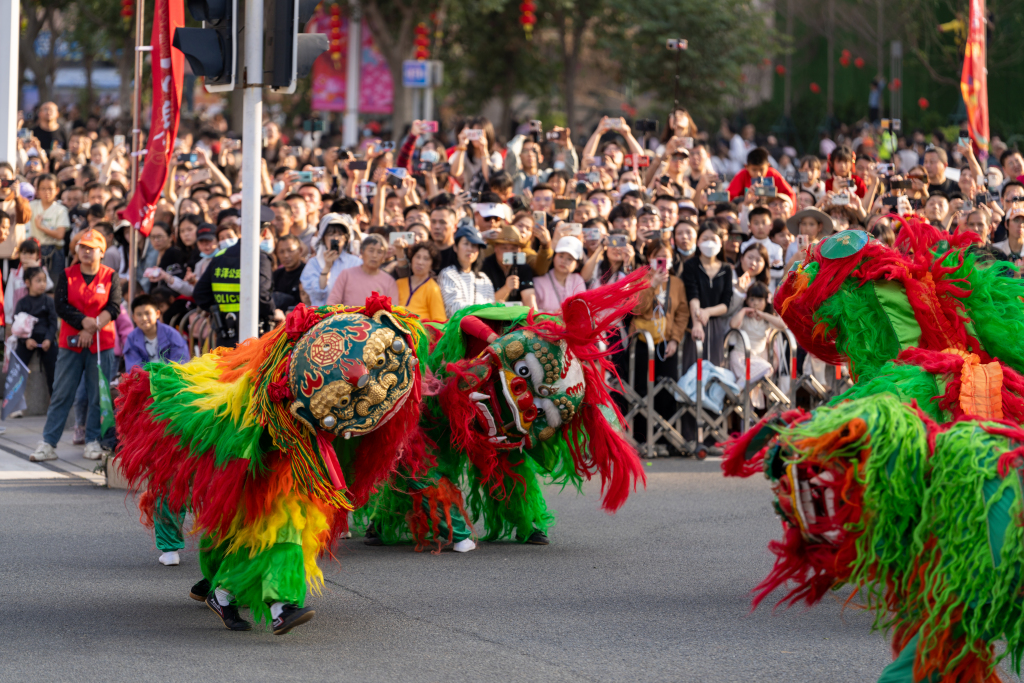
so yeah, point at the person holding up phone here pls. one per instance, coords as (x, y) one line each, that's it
(758, 169)
(561, 281)
(331, 257)
(841, 164)
(610, 152)
(524, 160)
(507, 269)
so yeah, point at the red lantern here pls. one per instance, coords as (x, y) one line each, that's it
(780, 69)
(895, 85)
(127, 8)
(815, 88)
(422, 41)
(923, 103)
(527, 17)
(845, 61)
(859, 62)
(846, 53)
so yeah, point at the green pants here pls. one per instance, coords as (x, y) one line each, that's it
(167, 527)
(460, 530)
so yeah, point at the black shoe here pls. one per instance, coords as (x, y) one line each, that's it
(229, 614)
(291, 616)
(538, 538)
(371, 536)
(200, 591)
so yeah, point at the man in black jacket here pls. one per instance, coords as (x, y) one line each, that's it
(219, 291)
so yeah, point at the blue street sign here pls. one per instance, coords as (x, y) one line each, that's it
(415, 73)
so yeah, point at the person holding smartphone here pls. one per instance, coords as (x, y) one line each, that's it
(510, 275)
(331, 257)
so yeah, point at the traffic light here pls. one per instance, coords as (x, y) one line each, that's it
(288, 53)
(211, 51)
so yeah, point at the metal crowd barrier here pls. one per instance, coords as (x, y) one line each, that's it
(737, 413)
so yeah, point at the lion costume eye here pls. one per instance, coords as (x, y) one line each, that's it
(521, 369)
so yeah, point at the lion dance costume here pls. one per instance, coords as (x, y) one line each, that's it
(519, 397)
(909, 485)
(249, 440)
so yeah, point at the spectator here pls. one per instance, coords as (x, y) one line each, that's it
(288, 275)
(685, 246)
(752, 267)
(757, 168)
(161, 255)
(50, 223)
(420, 292)
(88, 298)
(935, 162)
(506, 268)
(561, 281)
(321, 272)
(1012, 163)
(354, 285)
(15, 206)
(760, 220)
(443, 224)
(755, 319)
(1014, 243)
(44, 331)
(936, 209)
(48, 130)
(708, 283)
(463, 284)
(813, 225)
(841, 164)
(152, 341)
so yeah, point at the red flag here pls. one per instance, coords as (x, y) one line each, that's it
(168, 67)
(974, 81)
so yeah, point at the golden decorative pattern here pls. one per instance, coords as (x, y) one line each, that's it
(328, 396)
(379, 340)
(514, 351)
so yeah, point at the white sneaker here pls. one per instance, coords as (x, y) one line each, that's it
(170, 559)
(43, 451)
(17, 414)
(93, 451)
(464, 546)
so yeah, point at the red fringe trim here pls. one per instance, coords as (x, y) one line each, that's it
(421, 523)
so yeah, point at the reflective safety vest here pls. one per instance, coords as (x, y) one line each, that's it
(226, 284)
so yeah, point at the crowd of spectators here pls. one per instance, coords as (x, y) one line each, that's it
(440, 221)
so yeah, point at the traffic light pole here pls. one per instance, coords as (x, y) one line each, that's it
(10, 29)
(252, 148)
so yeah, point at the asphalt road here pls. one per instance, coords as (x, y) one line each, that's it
(658, 592)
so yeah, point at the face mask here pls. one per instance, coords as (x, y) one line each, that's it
(710, 249)
(230, 242)
(277, 187)
(210, 255)
(628, 187)
(686, 252)
(559, 165)
(267, 246)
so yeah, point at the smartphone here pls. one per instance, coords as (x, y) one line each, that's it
(430, 156)
(313, 125)
(563, 204)
(188, 158)
(334, 245)
(647, 125)
(718, 197)
(965, 139)
(617, 240)
(151, 272)
(615, 123)
(472, 197)
(555, 135)
(357, 166)
(597, 161)
(593, 177)
(591, 234)
(840, 183)
(6, 182)
(423, 166)
(536, 124)
(473, 134)
(397, 171)
(367, 188)
(890, 201)
(802, 241)
(232, 145)
(409, 237)
(540, 218)
(660, 264)
(803, 177)
(840, 200)
(393, 180)
(430, 127)
(444, 167)
(675, 44)
(303, 176)
(387, 146)
(967, 206)
(885, 124)
(883, 169)
(575, 228)
(24, 134)
(896, 125)
(118, 140)
(901, 184)
(687, 143)
(637, 160)
(767, 191)
(199, 175)
(510, 258)
(581, 188)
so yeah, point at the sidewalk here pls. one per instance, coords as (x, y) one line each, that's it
(20, 440)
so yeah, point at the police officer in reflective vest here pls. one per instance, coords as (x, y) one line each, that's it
(219, 290)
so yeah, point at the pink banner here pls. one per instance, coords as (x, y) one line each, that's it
(168, 68)
(375, 91)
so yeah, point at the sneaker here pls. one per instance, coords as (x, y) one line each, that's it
(464, 546)
(93, 451)
(538, 538)
(43, 451)
(200, 591)
(291, 616)
(371, 536)
(79, 438)
(228, 614)
(17, 413)
(170, 559)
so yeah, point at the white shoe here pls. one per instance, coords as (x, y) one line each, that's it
(43, 451)
(464, 546)
(17, 414)
(93, 451)
(170, 559)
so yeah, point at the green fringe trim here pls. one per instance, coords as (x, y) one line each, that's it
(994, 307)
(908, 382)
(274, 575)
(864, 333)
(519, 512)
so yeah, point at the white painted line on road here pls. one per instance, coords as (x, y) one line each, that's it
(8, 475)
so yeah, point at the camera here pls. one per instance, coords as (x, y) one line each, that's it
(593, 177)
(357, 166)
(335, 245)
(187, 158)
(581, 188)
(967, 206)
(510, 258)
(675, 44)
(647, 126)
(617, 240)
(313, 125)
(840, 200)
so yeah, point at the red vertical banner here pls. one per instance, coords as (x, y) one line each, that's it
(168, 68)
(974, 81)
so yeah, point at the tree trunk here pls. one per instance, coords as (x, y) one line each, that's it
(880, 57)
(830, 90)
(126, 68)
(87, 61)
(787, 87)
(396, 48)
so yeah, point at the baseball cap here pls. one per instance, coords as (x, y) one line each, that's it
(687, 205)
(206, 231)
(93, 239)
(1015, 212)
(470, 233)
(570, 245)
(648, 210)
(502, 211)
